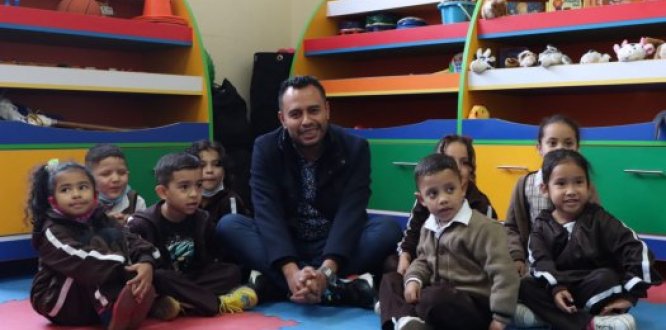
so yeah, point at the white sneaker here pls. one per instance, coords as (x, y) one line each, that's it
(614, 322)
(410, 323)
(525, 318)
(378, 309)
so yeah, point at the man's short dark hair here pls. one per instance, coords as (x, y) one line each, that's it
(432, 164)
(173, 162)
(299, 82)
(102, 151)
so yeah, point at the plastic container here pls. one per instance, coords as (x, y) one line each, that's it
(456, 11)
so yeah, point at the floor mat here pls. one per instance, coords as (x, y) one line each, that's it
(17, 314)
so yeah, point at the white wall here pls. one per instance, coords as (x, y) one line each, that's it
(234, 30)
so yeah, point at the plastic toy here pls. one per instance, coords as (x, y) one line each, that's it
(479, 112)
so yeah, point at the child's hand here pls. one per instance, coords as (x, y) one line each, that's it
(565, 302)
(403, 263)
(143, 281)
(412, 292)
(521, 267)
(496, 325)
(617, 306)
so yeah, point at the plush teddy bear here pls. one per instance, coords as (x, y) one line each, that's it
(553, 56)
(633, 51)
(482, 62)
(593, 56)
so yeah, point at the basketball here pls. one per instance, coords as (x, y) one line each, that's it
(86, 7)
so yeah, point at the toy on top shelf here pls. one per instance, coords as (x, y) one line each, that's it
(493, 9)
(482, 62)
(593, 56)
(553, 56)
(632, 51)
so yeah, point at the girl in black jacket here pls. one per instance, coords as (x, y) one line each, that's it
(91, 270)
(588, 268)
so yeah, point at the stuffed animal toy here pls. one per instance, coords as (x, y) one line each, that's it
(628, 52)
(493, 9)
(482, 62)
(511, 62)
(479, 112)
(657, 44)
(593, 56)
(526, 58)
(553, 56)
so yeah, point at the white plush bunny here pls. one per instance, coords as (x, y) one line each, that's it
(482, 62)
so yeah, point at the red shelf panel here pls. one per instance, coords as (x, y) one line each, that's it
(421, 36)
(95, 27)
(579, 19)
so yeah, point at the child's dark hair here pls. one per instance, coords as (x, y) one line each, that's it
(467, 142)
(559, 119)
(203, 145)
(102, 151)
(559, 156)
(42, 186)
(432, 164)
(299, 82)
(173, 162)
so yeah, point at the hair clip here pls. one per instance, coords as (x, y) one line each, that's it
(52, 164)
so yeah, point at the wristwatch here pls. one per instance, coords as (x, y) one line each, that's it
(329, 274)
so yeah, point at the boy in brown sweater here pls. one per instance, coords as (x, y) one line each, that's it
(463, 276)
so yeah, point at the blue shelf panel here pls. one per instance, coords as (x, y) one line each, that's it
(496, 129)
(21, 133)
(429, 129)
(16, 248)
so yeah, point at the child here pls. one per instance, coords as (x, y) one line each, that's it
(584, 261)
(461, 150)
(556, 132)
(109, 167)
(85, 258)
(187, 277)
(462, 277)
(218, 197)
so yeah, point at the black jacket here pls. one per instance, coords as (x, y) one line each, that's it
(343, 191)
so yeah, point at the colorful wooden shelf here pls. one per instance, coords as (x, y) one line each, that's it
(355, 7)
(24, 22)
(393, 85)
(585, 19)
(40, 77)
(432, 35)
(583, 75)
